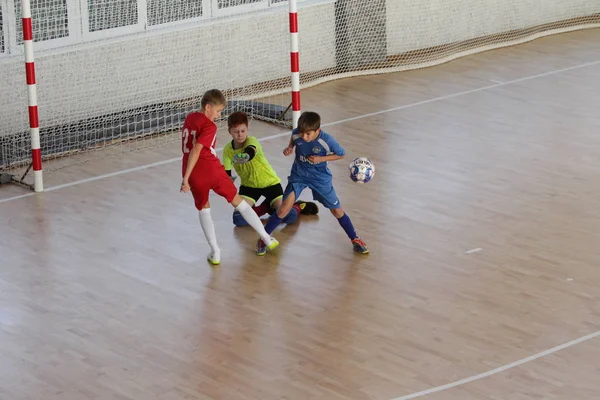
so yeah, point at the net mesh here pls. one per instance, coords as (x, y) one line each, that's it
(118, 76)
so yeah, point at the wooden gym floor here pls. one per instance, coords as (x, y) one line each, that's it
(483, 225)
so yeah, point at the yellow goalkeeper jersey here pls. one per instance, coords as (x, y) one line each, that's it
(256, 173)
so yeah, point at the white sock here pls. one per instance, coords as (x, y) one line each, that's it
(252, 218)
(209, 231)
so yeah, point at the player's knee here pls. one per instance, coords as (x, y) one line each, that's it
(237, 199)
(291, 217)
(337, 212)
(284, 210)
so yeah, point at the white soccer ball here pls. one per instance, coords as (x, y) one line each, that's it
(362, 170)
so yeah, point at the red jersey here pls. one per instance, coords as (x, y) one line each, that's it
(197, 128)
(208, 173)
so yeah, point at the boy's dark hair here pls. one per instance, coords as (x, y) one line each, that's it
(237, 118)
(309, 121)
(213, 97)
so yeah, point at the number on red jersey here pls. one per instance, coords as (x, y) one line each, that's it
(199, 129)
(187, 144)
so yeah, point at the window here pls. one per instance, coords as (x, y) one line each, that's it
(57, 23)
(165, 11)
(230, 7)
(234, 3)
(49, 18)
(110, 14)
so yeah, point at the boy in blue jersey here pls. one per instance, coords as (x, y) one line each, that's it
(314, 148)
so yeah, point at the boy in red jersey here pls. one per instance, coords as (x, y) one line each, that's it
(202, 171)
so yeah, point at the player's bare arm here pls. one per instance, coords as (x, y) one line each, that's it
(227, 162)
(289, 149)
(192, 160)
(319, 159)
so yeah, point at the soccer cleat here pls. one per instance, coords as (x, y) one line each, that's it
(307, 207)
(360, 246)
(214, 259)
(274, 243)
(238, 220)
(261, 247)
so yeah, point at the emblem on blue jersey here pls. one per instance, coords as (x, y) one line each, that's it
(316, 149)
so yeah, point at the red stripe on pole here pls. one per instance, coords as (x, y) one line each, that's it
(295, 58)
(33, 117)
(293, 22)
(27, 29)
(30, 73)
(36, 159)
(296, 101)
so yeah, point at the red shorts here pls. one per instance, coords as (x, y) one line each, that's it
(209, 176)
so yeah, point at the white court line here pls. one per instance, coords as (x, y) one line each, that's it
(342, 121)
(500, 369)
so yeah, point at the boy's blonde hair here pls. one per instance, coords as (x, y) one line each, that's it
(213, 97)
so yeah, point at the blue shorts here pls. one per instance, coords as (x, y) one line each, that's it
(323, 193)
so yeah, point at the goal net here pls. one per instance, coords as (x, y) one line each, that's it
(118, 76)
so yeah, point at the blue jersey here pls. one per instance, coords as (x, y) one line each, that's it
(303, 169)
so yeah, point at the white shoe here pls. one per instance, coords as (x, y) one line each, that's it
(214, 258)
(272, 244)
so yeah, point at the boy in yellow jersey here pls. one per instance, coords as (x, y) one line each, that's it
(244, 153)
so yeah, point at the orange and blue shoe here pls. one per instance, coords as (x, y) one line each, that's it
(307, 207)
(261, 247)
(360, 246)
